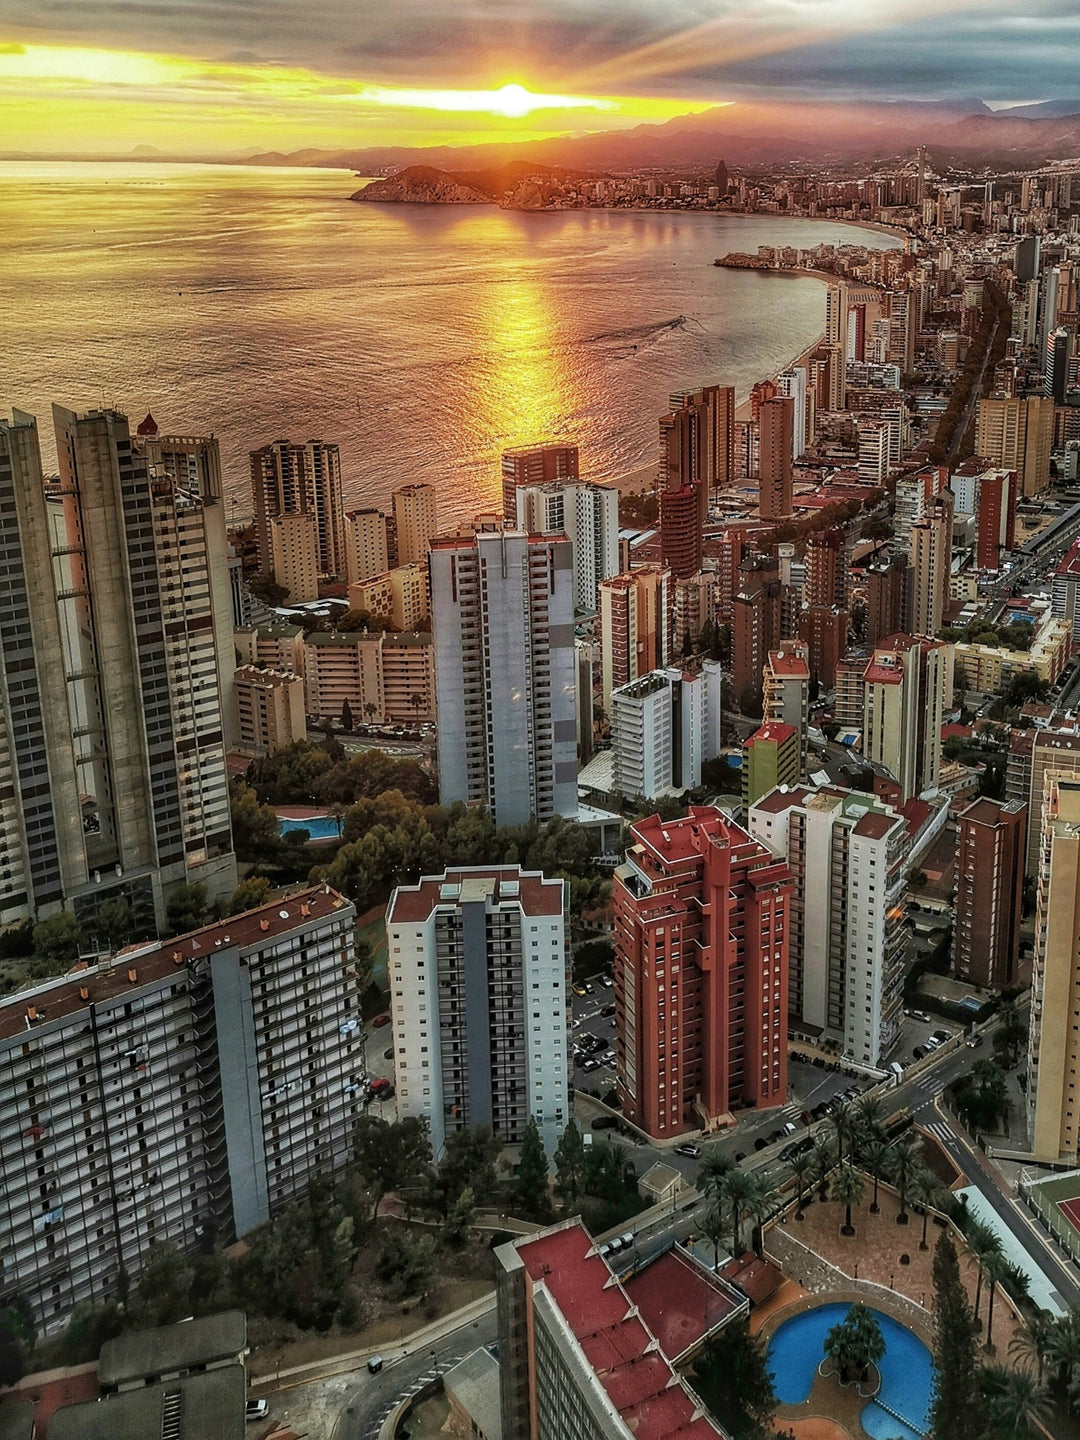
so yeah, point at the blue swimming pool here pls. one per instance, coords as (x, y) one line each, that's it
(902, 1409)
(319, 827)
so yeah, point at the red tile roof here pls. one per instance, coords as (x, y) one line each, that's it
(774, 731)
(623, 1352)
(789, 663)
(679, 1301)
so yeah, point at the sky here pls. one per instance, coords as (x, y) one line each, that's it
(214, 76)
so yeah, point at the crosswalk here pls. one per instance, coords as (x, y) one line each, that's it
(940, 1131)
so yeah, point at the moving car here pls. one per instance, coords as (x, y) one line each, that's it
(380, 1021)
(690, 1151)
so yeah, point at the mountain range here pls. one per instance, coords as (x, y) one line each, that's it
(962, 133)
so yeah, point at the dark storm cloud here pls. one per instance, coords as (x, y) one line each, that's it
(999, 52)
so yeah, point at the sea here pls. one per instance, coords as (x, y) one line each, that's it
(261, 304)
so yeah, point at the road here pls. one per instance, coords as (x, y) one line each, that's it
(405, 1372)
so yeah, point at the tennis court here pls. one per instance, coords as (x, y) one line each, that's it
(1055, 1202)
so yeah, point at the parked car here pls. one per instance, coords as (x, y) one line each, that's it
(740, 1156)
(604, 1122)
(918, 1052)
(590, 1065)
(690, 1151)
(942, 1035)
(788, 1154)
(790, 1128)
(388, 1054)
(590, 989)
(760, 1143)
(380, 1021)
(578, 989)
(919, 1015)
(379, 1085)
(256, 1410)
(608, 1010)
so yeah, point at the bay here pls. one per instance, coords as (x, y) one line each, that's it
(261, 304)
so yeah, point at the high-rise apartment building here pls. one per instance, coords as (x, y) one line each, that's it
(578, 1359)
(681, 530)
(697, 441)
(836, 338)
(289, 479)
(701, 967)
(415, 522)
(635, 637)
(792, 383)
(776, 429)
(1053, 1042)
(885, 589)
(931, 558)
(399, 595)
(366, 545)
(663, 727)
(756, 625)
(479, 999)
(1065, 591)
(996, 517)
(907, 688)
(770, 757)
(1016, 434)
(173, 1092)
(271, 647)
(270, 710)
(694, 607)
(502, 608)
(294, 555)
(827, 567)
(534, 465)
(823, 629)
(990, 880)
(115, 619)
(383, 676)
(848, 936)
(786, 691)
(589, 516)
(1032, 757)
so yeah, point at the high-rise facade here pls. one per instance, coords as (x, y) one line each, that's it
(907, 687)
(479, 1000)
(848, 936)
(681, 530)
(589, 516)
(289, 479)
(534, 465)
(635, 637)
(931, 557)
(294, 555)
(175, 1092)
(776, 429)
(827, 567)
(697, 440)
(786, 691)
(366, 545)
(502, 608)
(990, 880)
(770, 757)
(663, 727)
(415, 522)
(1053, 1040)
(701, 966)
(756, 625)
(1065, 591)
(996, 517)
(1016, 434)
(115, 619)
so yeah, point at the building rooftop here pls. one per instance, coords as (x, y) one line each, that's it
(773, 732)
(673, 842)
(789, 664)
(136, 965)
(211, 1408)
(617, 1343)
(1070, 562)
(506, 883)
(475, 1385)
(680, 1302)
(167, 1349)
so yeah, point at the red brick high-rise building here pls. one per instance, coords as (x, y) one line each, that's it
(755, 629)
(680, 530)
(996, 517)
(777, 425)
(534, 465)
(824, 629)
(826, 567)
(990, 881)
(701, 973)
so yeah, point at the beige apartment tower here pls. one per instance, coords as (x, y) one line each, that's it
(366, 549)
(289, 479)
(415, 522)
(294, 555)
(1017, 434)
(1054, 1040)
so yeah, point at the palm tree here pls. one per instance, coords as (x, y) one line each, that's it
(1063, 1349)
(735, 1190)
(759, 1204)
(875, 1157)
(822, 1161)
(1021, 1406)
(800, 1167)
(905, 1157)
(417, 702)
(712, 1171)
(1034, 1341)
(855, 1344)
(926, 1192)
(866, 1122)
(983, 1243)
(847, 1190)
(714, 1227)
(840, 1119)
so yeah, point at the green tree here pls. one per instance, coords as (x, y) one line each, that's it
(1033, 1341)
(532, 1175)
(407, 1266)
(847, 1190)
(714, 1226)
(346, 717)
(984, 1246)
(248, 895)
(953, 1412)
(570, 1164)
(114, 923)
(800, 1172)
(875, 1156)
(1015, 1402)
(855, 1344)
(822, 1163)
(711, 1172)
(391, 1156)
(1011, 1034)
(732, 1378)
(163, 1286)
(995, 1268)
(255, 826)
(903, 1166)
(56, 940)
(840, 1120)
(468, 1160)
(186, 909)
(926, 1191)
(264, 587)
(460, 1219)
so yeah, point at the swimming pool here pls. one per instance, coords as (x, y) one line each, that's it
(319, 827)
(901, 1411)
